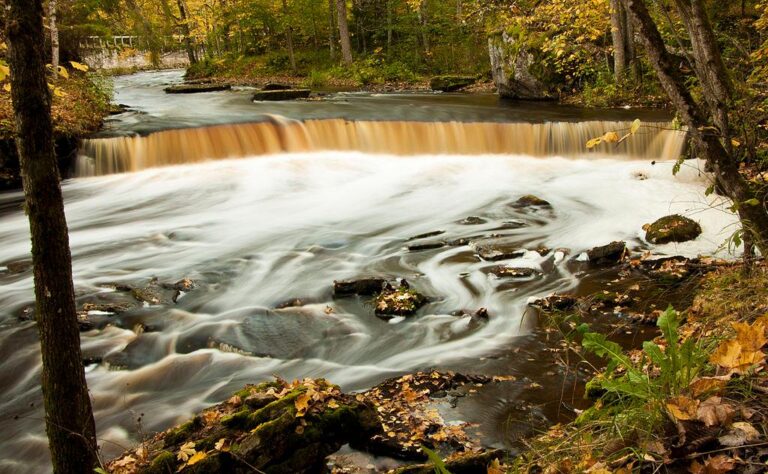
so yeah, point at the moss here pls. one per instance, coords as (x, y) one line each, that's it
(271, 411)
(674, 228)
(237, 420)
(400, 302)
(183, 432)
(163, 463)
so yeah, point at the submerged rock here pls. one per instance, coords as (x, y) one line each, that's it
(674, 228)
(608, 254)
(402, 301)
(196, 88)
(556, 302)
(19, 266)
(449, 83)
(426, 235)
(472, 220)
(361, 287)
(503, 271)
(493, 250)
(426, 246)
(287, 94)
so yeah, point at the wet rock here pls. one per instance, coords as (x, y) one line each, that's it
(146, 295)
(425, 246)
(402, 301)
(196, 88)
(19, 266)
(511, 225)
(472, 220)
(529, 200)
(275, 86)
(503, 271)
(493, 250)
(427, 235)
(294, 433)
(556, 302)
(543, 250)
(461, 242)
(361, 287)
(295, 303)
(608, 254)
(83, 323)
(114, 308)
(674, 228)
(450, 83)
(276, 95)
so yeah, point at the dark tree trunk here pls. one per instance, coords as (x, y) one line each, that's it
(346, 46)
(753, 218)
(332, 28)
(69, 417)
(186, 31)
(289, 36)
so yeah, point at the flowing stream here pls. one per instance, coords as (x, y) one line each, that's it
(294, 196)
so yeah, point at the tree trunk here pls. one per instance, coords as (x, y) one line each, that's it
(289, 36)
(54, 37)
(389, 27)
(69, 417)
(423, 26)
(186, 31)
(618, 34)
(346, 46)
(754, 219)
(151, 40)
(332, 28)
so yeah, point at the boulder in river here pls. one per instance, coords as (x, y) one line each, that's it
(503, 271)
(287, 94)
(196, 88)
(530, 200)
(362, 287)
(451, 83)
(401, 301)
(674, 228)
(607, 254)
(276, 86)
(493, 250)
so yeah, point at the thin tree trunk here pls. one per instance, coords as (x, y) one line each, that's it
(754, 219)
(332, 28)
(423, 26)
(346, 46)
(69, 416)
(618, 34)
(54, 37)
(389, 27)
(289, 36)
(183, 17)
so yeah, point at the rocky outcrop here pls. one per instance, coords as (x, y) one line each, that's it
(515, 70)
(674, 228)
(451, 83)
(607, 254)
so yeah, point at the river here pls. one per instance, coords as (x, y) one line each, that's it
(260, 225)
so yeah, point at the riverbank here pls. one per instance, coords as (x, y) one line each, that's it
(79, 104)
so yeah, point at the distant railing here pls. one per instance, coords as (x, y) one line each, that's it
(166, 43)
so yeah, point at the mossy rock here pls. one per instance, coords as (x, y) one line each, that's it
(401, 301)
(450, 83)
(276, 95)
(674, 228)
(530, 200)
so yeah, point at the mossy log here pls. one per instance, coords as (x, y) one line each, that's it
(287, 94)
(196, 88)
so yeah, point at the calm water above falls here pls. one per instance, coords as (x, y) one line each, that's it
(255, 232)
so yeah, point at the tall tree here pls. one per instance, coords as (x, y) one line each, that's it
(185, 29)
(54, 36)
(69, 416)
(346, 46)
(332, 28)
(289, 35)
(619, 37)
(713, 147)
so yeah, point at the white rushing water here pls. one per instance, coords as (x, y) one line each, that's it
(253, 233)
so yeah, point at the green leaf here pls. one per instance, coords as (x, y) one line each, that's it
(635, 126)
(752, 202)
(436, 461)
(710, 190)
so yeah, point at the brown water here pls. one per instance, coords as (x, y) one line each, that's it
(325, 199)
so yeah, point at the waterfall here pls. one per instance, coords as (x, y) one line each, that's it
(101, 156)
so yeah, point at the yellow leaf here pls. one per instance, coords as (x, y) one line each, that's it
(495, 467)
(594, 142)
(4, 71)
(682, 408)
(705, 385)
(186, 451)
(611, 137)
(735, 142)
(751, 337)
(63, 72)
(221, 445)
(302, 403)
(199, 456)
(635, 127)
(332, 404)
(58, 92)
(79, 66)
(7, 87)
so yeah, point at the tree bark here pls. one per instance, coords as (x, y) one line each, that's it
(618, 35)
(424, 26)
(332, 28)
(346, 46)
(188, 43)
(289, 36)
(69, 417)
(754, 219)
(54, 37)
